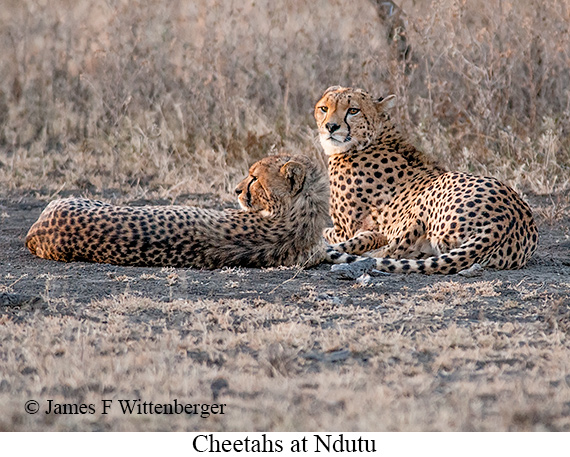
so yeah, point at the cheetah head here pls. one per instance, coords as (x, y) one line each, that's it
(349, 119)
(272, 184)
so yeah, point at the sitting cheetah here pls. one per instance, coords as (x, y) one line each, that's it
(434, 221)
(285, 208)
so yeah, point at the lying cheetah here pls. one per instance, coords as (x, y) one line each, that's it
(434, 221)
(284, 201)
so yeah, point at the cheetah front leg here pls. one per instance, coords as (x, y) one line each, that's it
(364, 229)
(350, 250)
(414, 243)
(362, 242)
(345, 252)
(333, 235)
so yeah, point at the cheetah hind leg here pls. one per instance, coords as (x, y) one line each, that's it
(362, 242)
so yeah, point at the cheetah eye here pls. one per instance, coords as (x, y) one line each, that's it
(324, 109)
(353, 111)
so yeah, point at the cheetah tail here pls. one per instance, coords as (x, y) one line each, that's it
(454, 261)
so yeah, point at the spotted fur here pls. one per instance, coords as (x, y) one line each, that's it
(284, 204)
(433, 220)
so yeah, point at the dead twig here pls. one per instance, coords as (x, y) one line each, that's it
(394, 18)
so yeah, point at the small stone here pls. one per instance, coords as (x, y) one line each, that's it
(363, 279)
(338, 356)
(475, 270)
(352, 271)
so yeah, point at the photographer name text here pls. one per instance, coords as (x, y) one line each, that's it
(136, 407)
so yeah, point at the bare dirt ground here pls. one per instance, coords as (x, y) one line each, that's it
(284, 349)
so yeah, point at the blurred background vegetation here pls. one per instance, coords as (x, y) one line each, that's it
(165, 98)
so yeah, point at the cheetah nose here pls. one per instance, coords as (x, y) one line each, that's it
(332, 127)
(238, 191)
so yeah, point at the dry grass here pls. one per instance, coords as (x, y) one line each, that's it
(151, 97)
(306, 365)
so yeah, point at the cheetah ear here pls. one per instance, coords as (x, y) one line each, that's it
(384, 104)
(294, 172)
(331, 89)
